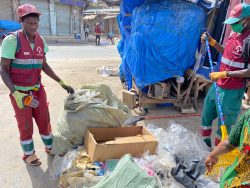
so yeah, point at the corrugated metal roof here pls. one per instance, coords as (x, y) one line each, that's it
(109, 17)
(90, 17)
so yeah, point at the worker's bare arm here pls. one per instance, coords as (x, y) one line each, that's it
(245, 73)
(4, 72)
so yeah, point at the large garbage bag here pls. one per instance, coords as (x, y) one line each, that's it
(91, 106)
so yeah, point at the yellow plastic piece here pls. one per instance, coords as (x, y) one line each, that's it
(27, 100)
(224, 160)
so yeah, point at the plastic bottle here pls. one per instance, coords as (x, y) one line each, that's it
(31, 101)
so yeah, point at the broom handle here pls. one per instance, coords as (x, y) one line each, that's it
(215, 85)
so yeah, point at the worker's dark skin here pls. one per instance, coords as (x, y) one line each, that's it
(29, 26)
(245, 73)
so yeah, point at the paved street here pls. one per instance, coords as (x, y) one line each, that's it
(77, 65)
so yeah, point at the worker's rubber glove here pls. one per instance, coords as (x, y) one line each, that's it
(214, 76)
(18, 96)
(69, 89)
(205, 36)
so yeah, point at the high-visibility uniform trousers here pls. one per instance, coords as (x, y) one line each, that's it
(230, 100)
(25, 117)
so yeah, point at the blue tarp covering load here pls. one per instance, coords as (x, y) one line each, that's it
(163, 41)
(7, 26)
(124, 20)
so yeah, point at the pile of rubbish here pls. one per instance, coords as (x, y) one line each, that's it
(91, 106)
(178, 162)
(93, 149)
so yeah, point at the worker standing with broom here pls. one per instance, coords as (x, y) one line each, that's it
(23, 59)
(230, 81)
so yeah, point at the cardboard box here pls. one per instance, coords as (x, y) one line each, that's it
(129, 98)
(112, 143)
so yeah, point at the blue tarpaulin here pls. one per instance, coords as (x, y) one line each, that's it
(161, 42)
(7, 26)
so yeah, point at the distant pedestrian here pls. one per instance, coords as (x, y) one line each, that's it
(98, 33)
(86, 31)
(110, 37)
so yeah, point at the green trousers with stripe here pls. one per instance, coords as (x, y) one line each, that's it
(230, 100)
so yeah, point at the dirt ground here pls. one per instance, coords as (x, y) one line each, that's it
(74, 70)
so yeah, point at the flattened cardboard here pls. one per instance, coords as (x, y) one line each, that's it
(112, 143)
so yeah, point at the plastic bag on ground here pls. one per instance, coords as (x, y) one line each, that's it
(110, 70)
(188, 171)
(73, 169)
(128, 174)
(91, 106)
(160, 166)
(204, 182)
(188, 151)
(180, 141)
(88, 180)
(61, 164)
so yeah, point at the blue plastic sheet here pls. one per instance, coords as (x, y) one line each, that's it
(163, 41)
(7, 26)
(124, 20)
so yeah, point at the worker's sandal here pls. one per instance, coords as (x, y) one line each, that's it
(32, 160)
(47, 150)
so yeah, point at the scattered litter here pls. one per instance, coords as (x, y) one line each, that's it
(104, 43)
(178, 163)
(128, 174)
(160, 166)
(75, 169)
(110, 70)
(62, 164)
(180, 141)
(187, 150)
(204, 182)
(188, 171)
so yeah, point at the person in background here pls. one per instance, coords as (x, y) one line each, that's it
(98, 33)
(230, 81)
(23, 59)
(86, 31)
(110, 37)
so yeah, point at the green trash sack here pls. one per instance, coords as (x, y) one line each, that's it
(127, 174)
(91, 106)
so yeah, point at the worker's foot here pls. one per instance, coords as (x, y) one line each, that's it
(47, 150)
(246, 104)
(32, 160)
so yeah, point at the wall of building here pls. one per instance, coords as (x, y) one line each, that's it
(6, 12)
(59, 17)
(111, 25)
(107, 25)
